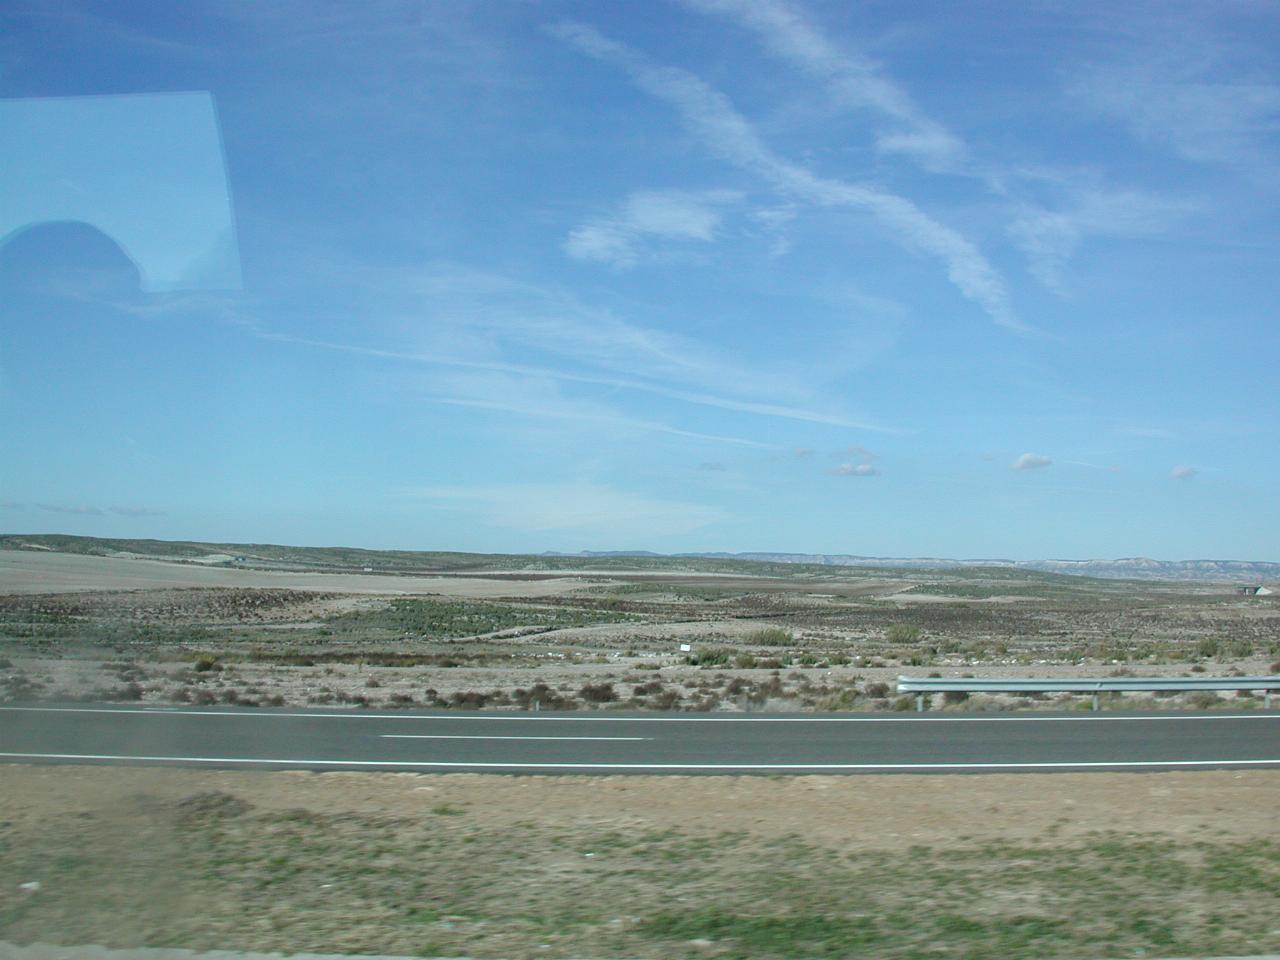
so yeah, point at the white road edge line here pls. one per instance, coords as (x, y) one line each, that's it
(525, 765)
(457, 736)
(592, 718)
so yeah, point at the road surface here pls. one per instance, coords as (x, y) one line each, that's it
(608, 742)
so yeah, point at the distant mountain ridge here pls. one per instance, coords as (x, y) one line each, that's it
(1137, 568)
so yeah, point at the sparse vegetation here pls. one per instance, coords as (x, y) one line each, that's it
(902, 633)
(771, 637)
(300, 647)
(270, 876)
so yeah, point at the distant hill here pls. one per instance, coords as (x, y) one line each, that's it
(1128, 568)
(351, 559)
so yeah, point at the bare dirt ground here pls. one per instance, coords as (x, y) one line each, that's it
(1061, 865)
(25, 571)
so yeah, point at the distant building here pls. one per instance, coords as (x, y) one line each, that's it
(1258, 591)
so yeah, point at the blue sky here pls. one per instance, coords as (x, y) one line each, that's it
(979, 280)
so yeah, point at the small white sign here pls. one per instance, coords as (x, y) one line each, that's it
(685, 647)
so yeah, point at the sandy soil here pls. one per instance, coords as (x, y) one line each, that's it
(885, 867)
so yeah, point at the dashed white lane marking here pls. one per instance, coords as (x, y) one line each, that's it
(445, 736)
(526, 765)
(593, 718)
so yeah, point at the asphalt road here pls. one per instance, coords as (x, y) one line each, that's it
(646, 743)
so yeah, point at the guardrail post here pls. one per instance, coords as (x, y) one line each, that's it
(1266, 699)
(919, 703)
(1095, 700)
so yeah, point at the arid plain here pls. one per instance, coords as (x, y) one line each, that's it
(894, 866)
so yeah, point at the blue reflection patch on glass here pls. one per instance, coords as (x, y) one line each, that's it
(145, 169)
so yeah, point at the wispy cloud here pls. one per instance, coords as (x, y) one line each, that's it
(467, 320)
(79, 509)
(1051, 234)
(629, 235)
(710, 116)
(518, 402)
(1183, 473)
(1030, 461)
(856, 81)
(1181, 87)
(578, 506)
(1146, 433)
(618, 383)
(136, 512)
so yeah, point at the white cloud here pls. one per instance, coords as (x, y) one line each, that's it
(857, 470)
(580, 506)
(855, 81)
(710, 116)
(668, 215)
(1030, 461)
(863, 464)
(1183, 473)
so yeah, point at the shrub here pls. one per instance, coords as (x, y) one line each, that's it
(771, 637)
(206, 662)
(905, 702)
(846, 699)
(903, 633)
(644, 689)
(598, 693)
(468, 699)
(955, 696)
(1203, 700)
(540, 696)
(744, 661)
(667, 699)
(710, 657)
(878, 690)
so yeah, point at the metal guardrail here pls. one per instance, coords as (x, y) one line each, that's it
(1094, 685)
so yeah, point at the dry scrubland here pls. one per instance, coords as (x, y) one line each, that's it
(1068, 865)
(1094, 865)
(451, 631)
